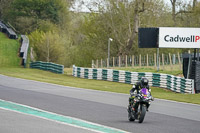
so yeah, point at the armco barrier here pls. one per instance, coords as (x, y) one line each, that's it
(48, 66)
(24, 49)
(176, 84)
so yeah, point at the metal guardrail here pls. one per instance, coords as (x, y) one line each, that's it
(24, 49)
(176, 84)
(48, 66)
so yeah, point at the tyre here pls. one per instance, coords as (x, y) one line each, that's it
(142, 113)
(130, 117)
(130, 114)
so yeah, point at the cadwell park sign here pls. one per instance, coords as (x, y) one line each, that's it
(179, 37)
(175, 37)
(169, 37)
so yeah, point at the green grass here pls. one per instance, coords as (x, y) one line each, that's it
(65, 79)
(68, 80)
(9, 52)
(175, 71)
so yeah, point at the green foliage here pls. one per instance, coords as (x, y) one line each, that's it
(46, 22)
(116, 21)
(39, 9)
(49, 46)
(83, 37)
(28, 15)
(191, 19)
(4, 8)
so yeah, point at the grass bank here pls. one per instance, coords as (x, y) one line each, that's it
(68, 80)
(9, 52)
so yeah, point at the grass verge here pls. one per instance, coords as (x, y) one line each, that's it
(9, 52)
(175, 70)
(68, 80)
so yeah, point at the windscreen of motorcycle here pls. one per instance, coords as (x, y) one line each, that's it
(144, 92)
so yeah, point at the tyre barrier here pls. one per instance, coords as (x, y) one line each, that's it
(48, 66)
(9, 31)
(173, 83)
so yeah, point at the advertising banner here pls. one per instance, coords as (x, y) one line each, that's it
(174, 37)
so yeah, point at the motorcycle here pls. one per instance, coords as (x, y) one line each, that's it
(140, 104)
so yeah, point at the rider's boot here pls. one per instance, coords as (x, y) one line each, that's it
(148, 107)
(129, 108)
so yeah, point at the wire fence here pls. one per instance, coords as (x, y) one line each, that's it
(139, 60)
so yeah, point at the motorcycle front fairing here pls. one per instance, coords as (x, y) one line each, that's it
(144, 97)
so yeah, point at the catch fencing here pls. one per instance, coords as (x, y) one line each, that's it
(173, 83)
(140, 61)
(48, 66)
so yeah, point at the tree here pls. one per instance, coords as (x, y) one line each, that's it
(115, 20)
(48, 46)
(139, 7)
(183, 8)
(4, 7)
(31, 13)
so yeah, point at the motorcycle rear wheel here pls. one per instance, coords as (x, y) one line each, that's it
(130, 117)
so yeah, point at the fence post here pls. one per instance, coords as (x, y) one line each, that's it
(170, 60)
(133, 59)
(126, 60)
(97, 63)
(154, 60)
(159, 61)
(107, 63)
(119, 61)
(101, 63)
(163, 61)
(113, 61)
(179, 60)
(140, 60)
(147, 60)
(92, 63)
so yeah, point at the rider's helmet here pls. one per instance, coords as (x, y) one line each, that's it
(144, 82)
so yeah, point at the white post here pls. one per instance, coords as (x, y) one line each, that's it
(92, 63)
(158, 59)
(193, 91)
(126, 61)
(110, 39)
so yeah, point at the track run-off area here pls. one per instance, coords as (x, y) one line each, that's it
(31, 106)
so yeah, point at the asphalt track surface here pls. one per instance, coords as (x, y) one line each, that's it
(12, 122)
(104, 108)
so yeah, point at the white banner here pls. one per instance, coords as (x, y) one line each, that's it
(172, 37)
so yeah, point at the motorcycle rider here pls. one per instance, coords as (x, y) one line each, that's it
(143, 83)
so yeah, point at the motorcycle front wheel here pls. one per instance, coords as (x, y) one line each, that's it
(141, 113)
